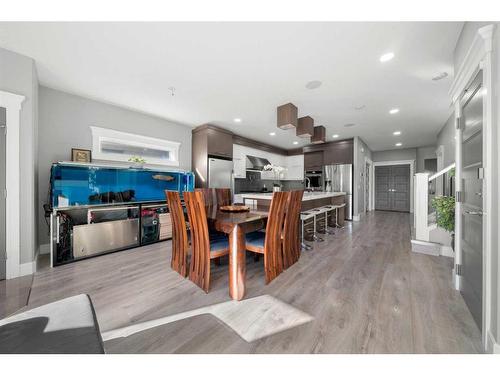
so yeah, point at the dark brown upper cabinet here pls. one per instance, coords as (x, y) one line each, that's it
(319, 135)
(305, 127)
(220, 143)
(287, 116)
(339, 153)
(209, 140)
(313, 160)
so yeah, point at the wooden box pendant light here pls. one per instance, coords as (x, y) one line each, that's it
(305, 127)
(287, 116)
(319, 135)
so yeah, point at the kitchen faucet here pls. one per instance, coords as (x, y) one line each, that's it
(308, 183)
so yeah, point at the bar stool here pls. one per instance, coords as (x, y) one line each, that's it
(328, 210)
(315, 212)
(303, 217)
(337, 215)
(323, 228)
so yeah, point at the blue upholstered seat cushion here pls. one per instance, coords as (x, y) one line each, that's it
(218, 243)
(255, 239)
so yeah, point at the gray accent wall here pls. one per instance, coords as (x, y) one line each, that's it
(18, 76)
(65, 121)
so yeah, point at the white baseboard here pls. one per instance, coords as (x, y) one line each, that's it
(493, 347)
(27, 268)
(447, 251)
(44, 248)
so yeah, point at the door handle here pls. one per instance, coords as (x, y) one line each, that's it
(474, 213)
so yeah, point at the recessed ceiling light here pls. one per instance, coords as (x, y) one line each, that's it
(335, 136)
(349, 125)
(397, 133)
(394, 111)
(399, 144)
(237, 120)
(272, 134)
(313, 85)
(295, 142)
(386, 57)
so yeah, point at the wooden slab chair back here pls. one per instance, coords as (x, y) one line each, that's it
(223, 196)
(179, 233)
(202, 250)
(291, 241)
(209, 197)
(271, 244)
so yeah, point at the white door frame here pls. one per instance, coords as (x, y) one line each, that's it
(369, 206)
(478, 58)
(411, 163)
(12, 104)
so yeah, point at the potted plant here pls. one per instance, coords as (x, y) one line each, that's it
(445, 215)
(137, 161)
(277, 170)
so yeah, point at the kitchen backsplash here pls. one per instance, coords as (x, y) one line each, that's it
(243, 185)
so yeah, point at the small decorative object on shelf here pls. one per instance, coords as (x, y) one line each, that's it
(277, 170)
(81, 156)
(445, 215)
(137, 161)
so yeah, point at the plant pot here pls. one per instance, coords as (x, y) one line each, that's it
(137, 165)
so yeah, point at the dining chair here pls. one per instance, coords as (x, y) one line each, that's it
(180, 244)
(269, 242)
(209, 197)
(290, 240)
(223, 196)
(203, 247)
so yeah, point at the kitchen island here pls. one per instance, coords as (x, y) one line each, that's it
(262, 201)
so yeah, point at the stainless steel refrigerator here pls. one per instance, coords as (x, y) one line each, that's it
(220, 173)
(338, 177)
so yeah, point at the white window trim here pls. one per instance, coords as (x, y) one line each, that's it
(103, 134)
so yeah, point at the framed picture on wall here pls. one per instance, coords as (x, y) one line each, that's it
(81, 156)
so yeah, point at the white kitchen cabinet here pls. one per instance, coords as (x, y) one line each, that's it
(295, 167)
(239, 161)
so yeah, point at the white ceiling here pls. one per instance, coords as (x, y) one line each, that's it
(221, 71)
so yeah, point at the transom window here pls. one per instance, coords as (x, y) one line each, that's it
(114, 145)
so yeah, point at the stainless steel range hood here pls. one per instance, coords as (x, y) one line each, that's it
(254, 163)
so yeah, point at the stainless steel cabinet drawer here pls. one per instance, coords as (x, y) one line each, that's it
(91, 239)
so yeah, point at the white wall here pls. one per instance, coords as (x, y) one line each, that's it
(64, 123)
(446, 138)
(18, 76)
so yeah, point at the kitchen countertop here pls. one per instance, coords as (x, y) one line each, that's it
(307, 196)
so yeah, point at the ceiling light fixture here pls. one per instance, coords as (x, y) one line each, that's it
(237, 120)
(295, 142)
(440, 76)
(399, 144)
(335, 136)
(394, 111)
(386, 57)
(397, 133)
(311, 85)
(272, 134)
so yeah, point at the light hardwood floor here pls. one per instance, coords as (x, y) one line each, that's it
(367, 292)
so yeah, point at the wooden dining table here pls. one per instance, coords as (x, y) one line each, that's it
(236, 225)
